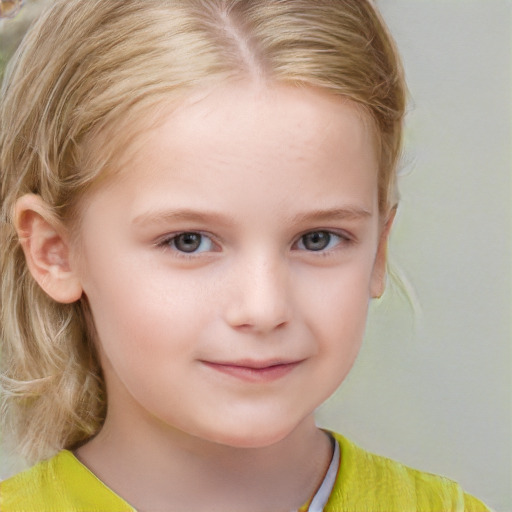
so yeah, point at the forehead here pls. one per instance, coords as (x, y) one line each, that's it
(242, 118)
(244, 138)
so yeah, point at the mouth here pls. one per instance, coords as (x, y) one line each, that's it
(254, 371)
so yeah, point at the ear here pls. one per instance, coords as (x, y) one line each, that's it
(378, 278)
(46, 249)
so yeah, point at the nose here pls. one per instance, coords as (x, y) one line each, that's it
(259, 298)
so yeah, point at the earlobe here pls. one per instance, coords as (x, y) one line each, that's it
(378, 279)
(42, 238)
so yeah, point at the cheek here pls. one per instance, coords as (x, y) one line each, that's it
(336, 309)
(141, 312)
(152, 321)
(147, 338)
(339, 293)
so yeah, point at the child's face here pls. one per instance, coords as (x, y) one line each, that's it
(230, 263)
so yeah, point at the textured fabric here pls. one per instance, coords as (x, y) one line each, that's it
(371, 483)
(61, 484)
(365, 483)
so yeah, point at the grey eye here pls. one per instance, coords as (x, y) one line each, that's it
(316, 240)
(187, 242)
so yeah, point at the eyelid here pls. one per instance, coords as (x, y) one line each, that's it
(345, 238)
(163, 243)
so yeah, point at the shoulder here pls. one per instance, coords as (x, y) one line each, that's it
(367, 481)
(61, 483)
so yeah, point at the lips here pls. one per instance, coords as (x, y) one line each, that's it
(254, 371)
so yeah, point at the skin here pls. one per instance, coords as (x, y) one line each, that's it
(216, 359)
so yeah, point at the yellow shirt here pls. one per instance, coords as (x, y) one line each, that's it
(365, 483)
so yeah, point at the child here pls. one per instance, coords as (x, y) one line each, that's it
(196, 200)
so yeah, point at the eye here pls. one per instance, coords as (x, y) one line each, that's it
(189, 242)
(318, 241)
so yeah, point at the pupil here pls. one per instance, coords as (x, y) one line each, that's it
(316, 241)
(188, 242)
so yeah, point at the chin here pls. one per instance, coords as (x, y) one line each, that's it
(251, 441)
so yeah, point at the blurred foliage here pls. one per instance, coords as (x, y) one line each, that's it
(13, 29)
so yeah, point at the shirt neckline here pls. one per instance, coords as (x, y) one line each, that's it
(316, 504)
(323, 494)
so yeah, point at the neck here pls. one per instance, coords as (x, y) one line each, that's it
(152, 469)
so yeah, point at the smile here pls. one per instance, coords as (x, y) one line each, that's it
(254, 371)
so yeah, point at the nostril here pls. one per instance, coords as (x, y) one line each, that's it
(260, 322)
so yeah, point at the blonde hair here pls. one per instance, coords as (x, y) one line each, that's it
(89, 67)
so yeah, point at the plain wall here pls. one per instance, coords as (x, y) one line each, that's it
(433, 388)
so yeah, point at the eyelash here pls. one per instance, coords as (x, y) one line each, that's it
(169, 242)
(342, 238)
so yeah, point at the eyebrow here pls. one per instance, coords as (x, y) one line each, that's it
(185, 214)
(199, 216)
(345, 213)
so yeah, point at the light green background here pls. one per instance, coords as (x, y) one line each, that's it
(432, 388)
